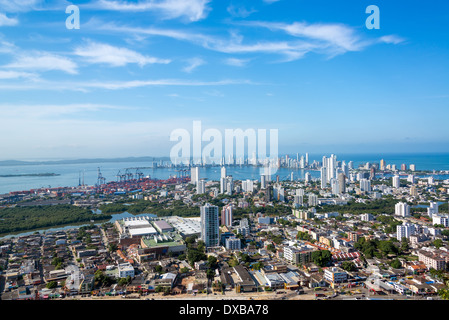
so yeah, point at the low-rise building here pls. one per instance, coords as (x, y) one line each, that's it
(432, 260)
(125, 270)
(335, 275)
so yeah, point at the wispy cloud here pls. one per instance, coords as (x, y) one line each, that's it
(192, 10)
(331, 34)
(7, 47)
(95, 52)
(43, 61)
(233, 44)
(393, 39)
(161, 82)
(19, 5)
(5, 21)
(193, 63)
(328, 39)
(240, 11)
(86, 86)
(9, 74)
(236, 62)
(53, 111)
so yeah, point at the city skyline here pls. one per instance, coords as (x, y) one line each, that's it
(134, 72)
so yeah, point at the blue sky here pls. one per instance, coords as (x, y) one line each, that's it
(137, 70)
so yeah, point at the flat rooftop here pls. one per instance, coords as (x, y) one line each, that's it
(163, 241)
(186, 226)
(142, 231)
(162, 225)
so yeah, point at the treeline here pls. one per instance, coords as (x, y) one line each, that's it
(380, 248)
(376, 207)
(178, 208)
(20, 219)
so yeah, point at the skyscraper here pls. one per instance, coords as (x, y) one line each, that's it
(396, 181)
(248, 185)
(194, 175)
(382, 165)
(334, 186)
(210, 225)
(278, 193)
(351, 165)
(313, 200)
(226, 215)
(405, 231)
(263, 181)
(345, 169)
(372, 173)
(402, 209)
(342, 182)
(308, 177)
(365, 185)
(323, 177)
(201, 187)
(268, 193)
(223, 172)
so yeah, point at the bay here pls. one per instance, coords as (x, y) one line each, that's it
(71, 175)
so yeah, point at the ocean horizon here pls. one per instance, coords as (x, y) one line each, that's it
(69, 173)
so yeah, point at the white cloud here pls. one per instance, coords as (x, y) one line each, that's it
(393, 39)
(335, 35)
(43, 61)
(323, 39)
(193, 64)
(19, 5)
(193, 10)
(16, 75)
(86, 86)
(240, 12)
(52, 111)
(163, 82)
(114, 56)
(236, 62)
(7, 47)
(292, 50)
(5, 21)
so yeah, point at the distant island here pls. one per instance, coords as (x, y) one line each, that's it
(29, 175)
(75, 161)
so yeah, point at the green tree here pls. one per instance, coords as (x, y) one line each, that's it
(348, 266)
(184, 270)
(212, 262)
(51, 285)
(396, 264)
(124, 281)
(321, 257)
(258, 265)
(404, 244)
(158, 268)
(112, 247)
(443, 293)
(210, 273)
(438, 243)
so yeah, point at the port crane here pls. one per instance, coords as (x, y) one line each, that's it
(100, 179)
(139, 175)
